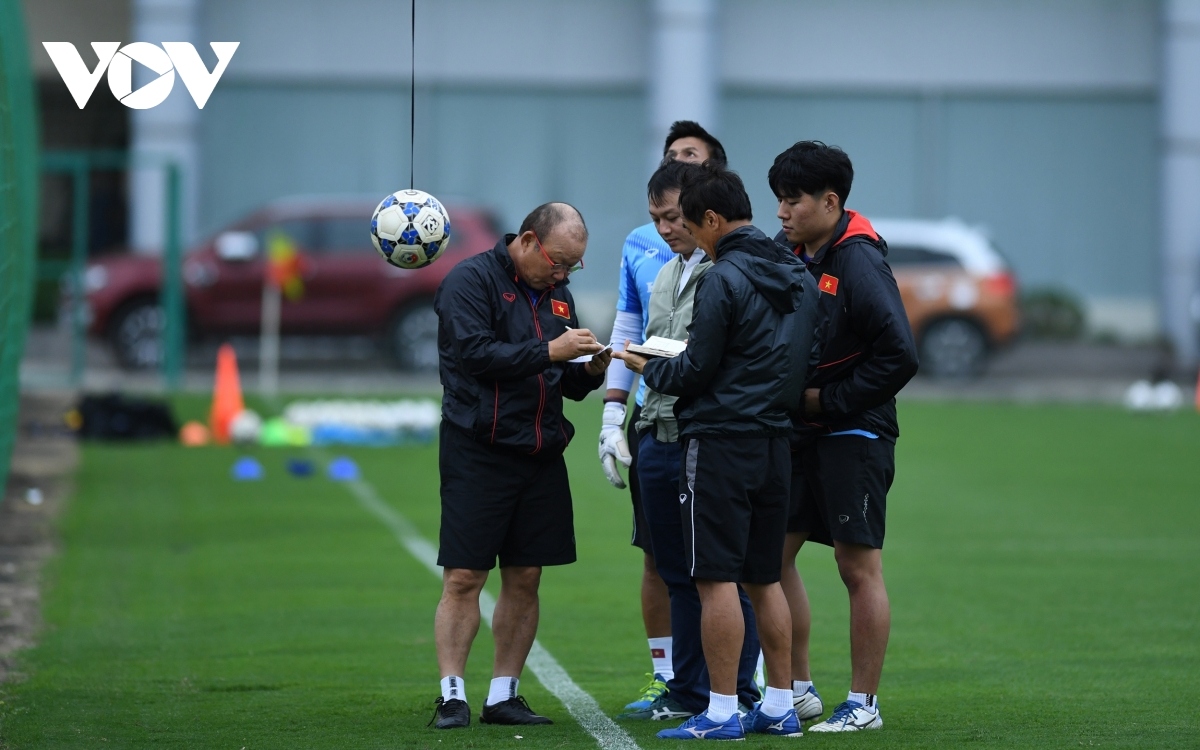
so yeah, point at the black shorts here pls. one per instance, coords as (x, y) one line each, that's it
(497, 503)
(734, 504)
(641, 530)
(839, 489)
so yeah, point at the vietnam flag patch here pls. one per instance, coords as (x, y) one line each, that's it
(560, 308)
(828, 284)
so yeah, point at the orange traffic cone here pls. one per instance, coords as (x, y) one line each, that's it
(227, 395)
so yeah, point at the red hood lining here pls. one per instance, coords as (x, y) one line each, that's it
(859, 226)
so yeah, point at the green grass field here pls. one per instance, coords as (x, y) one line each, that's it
(1042, 565)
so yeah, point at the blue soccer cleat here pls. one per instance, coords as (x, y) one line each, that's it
(756, 722)
(655, 689)
(703, 728)
(664, 708)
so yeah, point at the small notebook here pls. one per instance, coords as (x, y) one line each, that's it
(658, 346)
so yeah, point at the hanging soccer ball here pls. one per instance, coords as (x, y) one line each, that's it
(410, 229)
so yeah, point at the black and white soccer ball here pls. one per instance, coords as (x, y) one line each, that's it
(410, 229)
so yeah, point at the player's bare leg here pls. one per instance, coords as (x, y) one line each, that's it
(774, 631)
(514, 624)
(861, 569)
(656, 603)
(456, 622)
(722, 630)
(797, 598)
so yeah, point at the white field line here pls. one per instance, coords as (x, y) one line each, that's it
(544, 666)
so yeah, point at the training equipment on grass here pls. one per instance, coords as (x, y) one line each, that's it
(410, 229)
(366, 422)
(247, 469)
(300, 467)
(193, 434)
(1146, 396)
(279, 432)
(342, 469)
(227, 395)
(245, 427)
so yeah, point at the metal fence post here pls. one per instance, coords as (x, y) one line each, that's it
(80, 218)
(174, 323)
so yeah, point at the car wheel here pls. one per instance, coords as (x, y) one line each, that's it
(413, 337)
(137, 335)
(953, 348)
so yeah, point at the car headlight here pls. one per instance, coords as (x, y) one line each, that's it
(95, 278)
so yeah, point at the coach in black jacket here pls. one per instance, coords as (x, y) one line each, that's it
(738, 382)
(844, 442)
(507, 335)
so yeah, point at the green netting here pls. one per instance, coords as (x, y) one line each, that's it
(18, 214)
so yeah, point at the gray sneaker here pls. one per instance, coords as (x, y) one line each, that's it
(664, 708)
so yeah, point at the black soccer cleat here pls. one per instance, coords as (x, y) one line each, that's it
(515, 710)
(450, 714)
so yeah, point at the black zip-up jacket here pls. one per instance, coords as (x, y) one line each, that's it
(864, 351)
(749, 342)
(494, 343)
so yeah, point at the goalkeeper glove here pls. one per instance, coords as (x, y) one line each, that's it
(613, 447)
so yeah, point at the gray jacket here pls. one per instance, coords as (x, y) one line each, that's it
(670, 314)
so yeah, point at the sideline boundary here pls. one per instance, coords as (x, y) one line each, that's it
(544, 666)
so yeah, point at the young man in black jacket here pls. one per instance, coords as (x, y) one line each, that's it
(507, 335)
(738, 381)
(844, 440)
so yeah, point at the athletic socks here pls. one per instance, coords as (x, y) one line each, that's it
(800, 687)
(776, 703)
(501, 690)
(453, 688)
(721, 707)
(866, 700)
(660, 656)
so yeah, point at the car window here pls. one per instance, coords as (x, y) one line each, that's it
(912, 255)
(298, 231)
(344, 235)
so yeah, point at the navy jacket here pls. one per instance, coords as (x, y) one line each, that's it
(493, 339)
(865, 351)
(749, 342)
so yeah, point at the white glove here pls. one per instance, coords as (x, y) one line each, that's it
(613, 447)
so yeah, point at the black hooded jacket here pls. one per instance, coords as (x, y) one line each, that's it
(865, 350)
(749, 342)
(493, 340)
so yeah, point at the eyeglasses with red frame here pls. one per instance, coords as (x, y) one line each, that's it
(556, 267)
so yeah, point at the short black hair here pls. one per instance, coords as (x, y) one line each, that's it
(544, 219)
(712, 187)
(692, 129)
(811, 167)
(668, 177)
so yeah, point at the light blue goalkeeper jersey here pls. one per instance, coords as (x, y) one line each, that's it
(642, 257)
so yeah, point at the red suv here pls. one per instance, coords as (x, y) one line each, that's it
(348, 287)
